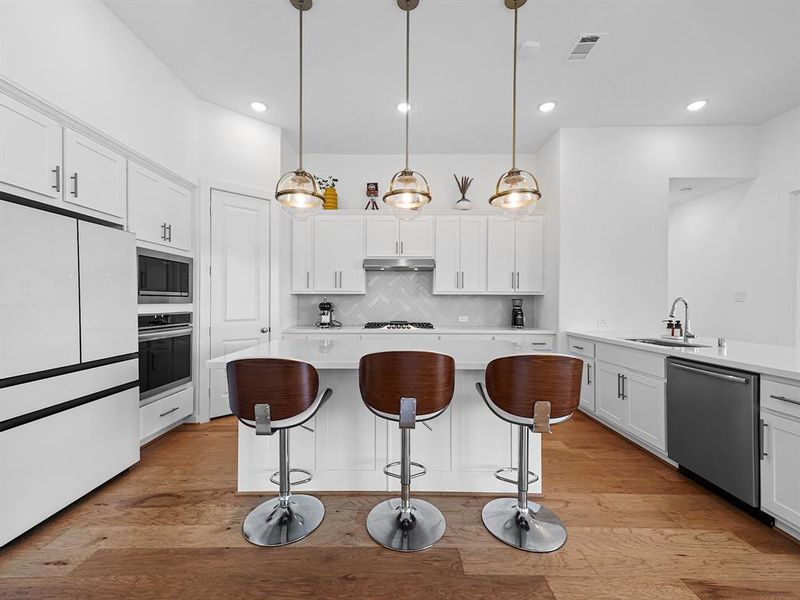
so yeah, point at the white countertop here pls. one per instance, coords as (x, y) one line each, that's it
(436, 330)
(346, 353)
(778, 361)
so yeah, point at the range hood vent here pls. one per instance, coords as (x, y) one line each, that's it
(399, 264)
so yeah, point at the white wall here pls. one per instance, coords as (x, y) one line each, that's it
(355, 170)
(614, 211)
(743, 240)
(78, 56)
(548, 173)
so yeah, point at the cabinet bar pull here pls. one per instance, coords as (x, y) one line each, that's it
(74, 178)
(624, 395)
(588, 374)
(761, 442)
(462, 280)
(164, 232)
(57, 185)
(169, 232)
(397, 247)
(517, 280)
(456, 279)
(402, 247)
(539, 343)
(619, 384)
(171, 410)
(308, 279)
(578, 347)
(785, 399)
(512, 280)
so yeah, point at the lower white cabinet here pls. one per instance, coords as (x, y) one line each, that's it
(165, 412)
(780, 450)
(587, 385)
(634, 402)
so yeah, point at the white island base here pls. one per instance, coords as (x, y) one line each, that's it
(350, 446)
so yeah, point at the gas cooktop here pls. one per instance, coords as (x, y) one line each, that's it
(397, 325)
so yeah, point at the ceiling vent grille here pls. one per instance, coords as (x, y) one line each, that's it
(583, 46)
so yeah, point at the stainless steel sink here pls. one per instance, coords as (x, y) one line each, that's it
(667, 343)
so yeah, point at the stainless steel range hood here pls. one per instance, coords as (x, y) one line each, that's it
(397, 263)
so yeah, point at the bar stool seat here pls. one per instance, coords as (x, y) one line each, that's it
(532, 392)
(406, 387)
(275, 395)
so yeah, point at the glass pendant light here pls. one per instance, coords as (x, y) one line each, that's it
(408, 190)
(517, 191)
(297, 191)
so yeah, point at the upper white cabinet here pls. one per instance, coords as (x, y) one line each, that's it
(94, 176)
(159, 211)
(339, 255)
(38, 291)
(108, 291)
(460, 258)
(515, 255)
(388, 236)
(302, 257)
(30, 150)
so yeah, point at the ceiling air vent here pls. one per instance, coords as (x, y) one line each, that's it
(583, 46)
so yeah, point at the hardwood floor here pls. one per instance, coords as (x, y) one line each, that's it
(170, 528)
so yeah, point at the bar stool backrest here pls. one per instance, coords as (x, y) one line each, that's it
(385, 377)
(289, 387)
(516, 383)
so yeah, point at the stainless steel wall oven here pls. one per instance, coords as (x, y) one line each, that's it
(165, 352)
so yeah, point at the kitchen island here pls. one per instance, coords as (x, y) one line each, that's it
(349, 446)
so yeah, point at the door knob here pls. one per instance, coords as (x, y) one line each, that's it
(265, 330)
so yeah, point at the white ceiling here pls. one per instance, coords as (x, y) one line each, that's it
(655, 57)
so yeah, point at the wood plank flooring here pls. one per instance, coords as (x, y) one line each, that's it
(170, 528)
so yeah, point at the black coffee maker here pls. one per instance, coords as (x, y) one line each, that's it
(517, 316)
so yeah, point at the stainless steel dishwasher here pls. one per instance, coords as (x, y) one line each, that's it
(712, 426)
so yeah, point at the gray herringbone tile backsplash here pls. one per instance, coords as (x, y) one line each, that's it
(409, 297)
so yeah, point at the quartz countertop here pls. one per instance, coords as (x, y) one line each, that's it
(475, 329)
(766, 359)
(346, 353)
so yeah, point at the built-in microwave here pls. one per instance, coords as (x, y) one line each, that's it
(164, 278)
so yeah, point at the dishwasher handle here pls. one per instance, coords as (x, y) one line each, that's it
(723, 376)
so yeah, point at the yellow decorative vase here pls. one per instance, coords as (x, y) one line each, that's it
(331, 199)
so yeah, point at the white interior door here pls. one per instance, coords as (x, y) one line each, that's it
(239, 282)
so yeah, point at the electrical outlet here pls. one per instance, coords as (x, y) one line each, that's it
(602, 323)
(463, 318)
(740, 296)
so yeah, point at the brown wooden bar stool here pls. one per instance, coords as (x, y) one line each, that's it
(533, 392)
(407, 387)
(269, 395)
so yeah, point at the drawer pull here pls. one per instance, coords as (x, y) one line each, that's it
(539, 343)
(171, 410)
(785, 399)
(578, 347)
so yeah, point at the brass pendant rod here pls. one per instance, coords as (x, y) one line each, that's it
(301, 87)
(514, 100)
(408, 106)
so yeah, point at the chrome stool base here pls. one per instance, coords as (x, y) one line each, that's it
(538, 531)
(389, 528)
(270, 524)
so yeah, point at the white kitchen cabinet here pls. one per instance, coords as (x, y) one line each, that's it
(460, 255)
(388, 236)
(107, 259)
(587, 401)
(94, 176)
(165, 412)
(609, 403)
(30, 151)
(159, 211)
(302, 257)
(339, 255)
(632, 401)
(38, 290)
(780, 467)
(515, 255)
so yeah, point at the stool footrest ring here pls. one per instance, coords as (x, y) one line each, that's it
(532, 477)
(275, 477)
(423, 471)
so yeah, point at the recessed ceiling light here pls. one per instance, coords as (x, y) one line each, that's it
(547, 106)
(696, 105)
(404, 107)
(258, 106)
